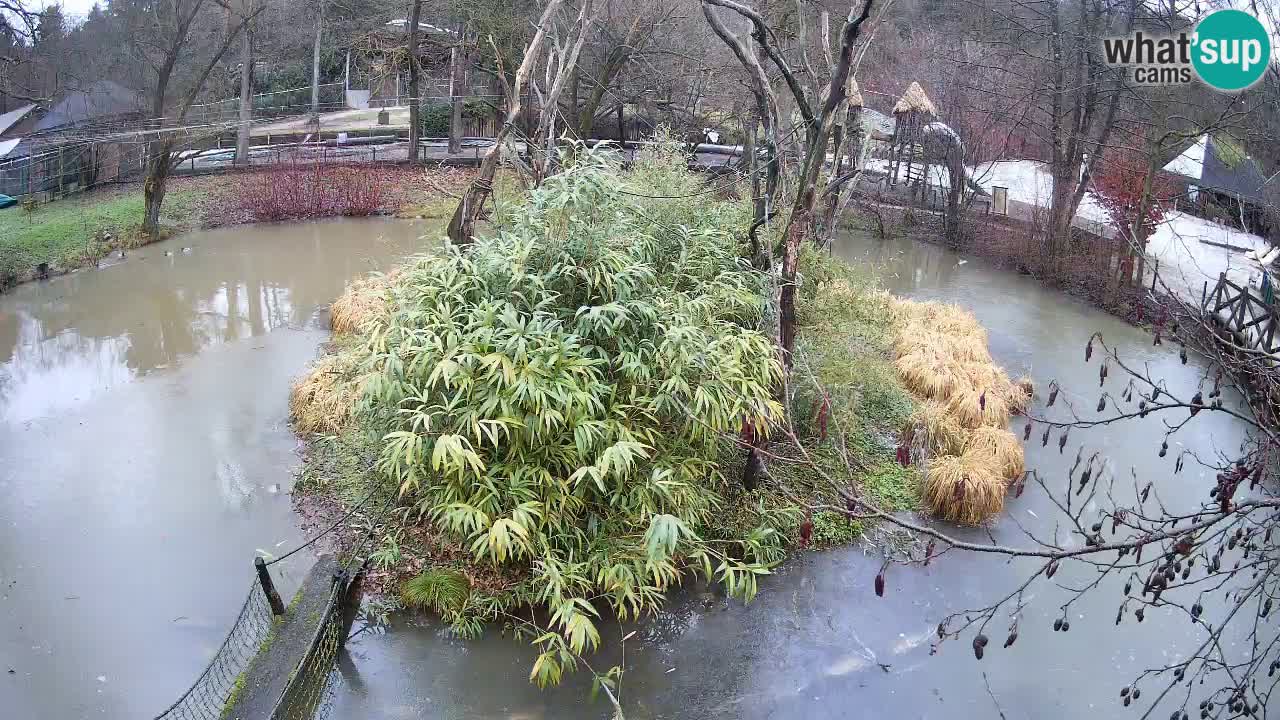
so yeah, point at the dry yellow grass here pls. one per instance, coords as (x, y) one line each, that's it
(322, 401)
(966, 489)
(934, 428)
(364, 299)
(1001, 446)
(974, 407)
(925, 373)
(942, 356)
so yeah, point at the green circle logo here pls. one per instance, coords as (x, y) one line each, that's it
(1231, 50)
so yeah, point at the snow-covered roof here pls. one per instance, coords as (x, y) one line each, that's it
(876, 123)
(942, 128)
(12, 117)
(403, 23)
(1190, 163)
(7, 146)
(1214, 164)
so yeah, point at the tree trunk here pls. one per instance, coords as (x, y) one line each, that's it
(833, 198)
(456, 99)
(315, 68)
(462, 225)
(155, 185)
(796, 233)
(415, 102)
(246, 99)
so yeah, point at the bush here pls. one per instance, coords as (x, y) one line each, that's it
(300, 192)
(555, 396)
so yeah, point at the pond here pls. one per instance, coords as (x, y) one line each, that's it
(817, 642)
(147, 455)
(147, 458)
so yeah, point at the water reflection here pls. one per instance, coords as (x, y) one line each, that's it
(147, 457)
(46, 373)
(66, 341)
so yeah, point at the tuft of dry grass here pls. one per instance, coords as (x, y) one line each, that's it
(1001, 446)
(926, 375)
(966, 489)
(364, 299)
(932, 427)
(942, 356)
(324, 400)
(974, 407)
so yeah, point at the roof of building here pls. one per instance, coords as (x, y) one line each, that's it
(1190, 162)
(914, 100)
(1218, 165)
(1232, 172)
(876, 124)
(100, 99)
(12, 117)
(7, 146)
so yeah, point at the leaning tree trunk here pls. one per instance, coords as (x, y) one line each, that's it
(462, 225)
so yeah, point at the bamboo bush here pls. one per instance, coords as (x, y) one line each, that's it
(555, 397)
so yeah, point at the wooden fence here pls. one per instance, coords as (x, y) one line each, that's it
(1253, 319)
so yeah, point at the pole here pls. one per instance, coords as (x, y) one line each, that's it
(456, 80)
(350, 600)
(414, 102)
(315, 67)
(268, 586)
(246, 99)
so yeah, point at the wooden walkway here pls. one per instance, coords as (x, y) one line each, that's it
(1243, 313)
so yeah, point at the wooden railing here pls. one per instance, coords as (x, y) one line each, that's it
(1247, 315)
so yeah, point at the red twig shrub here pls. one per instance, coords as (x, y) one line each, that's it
(299, 192)
(1119, 186)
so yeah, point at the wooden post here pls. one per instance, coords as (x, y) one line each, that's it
(268, 586)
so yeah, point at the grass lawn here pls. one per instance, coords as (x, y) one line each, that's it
(66, 233)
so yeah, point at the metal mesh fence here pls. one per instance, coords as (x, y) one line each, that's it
(308, 695)
(207, 697)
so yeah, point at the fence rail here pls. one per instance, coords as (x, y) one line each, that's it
(1251, 317)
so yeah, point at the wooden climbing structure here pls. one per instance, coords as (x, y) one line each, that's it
(912, 112)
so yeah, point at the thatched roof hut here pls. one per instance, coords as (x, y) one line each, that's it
(914, 100)
(854, 94)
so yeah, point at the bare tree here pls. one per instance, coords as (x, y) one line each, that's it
(18, 31)
(246, 89)
(180, 42)
(462, 224)
(818, 112)
(562, 61)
